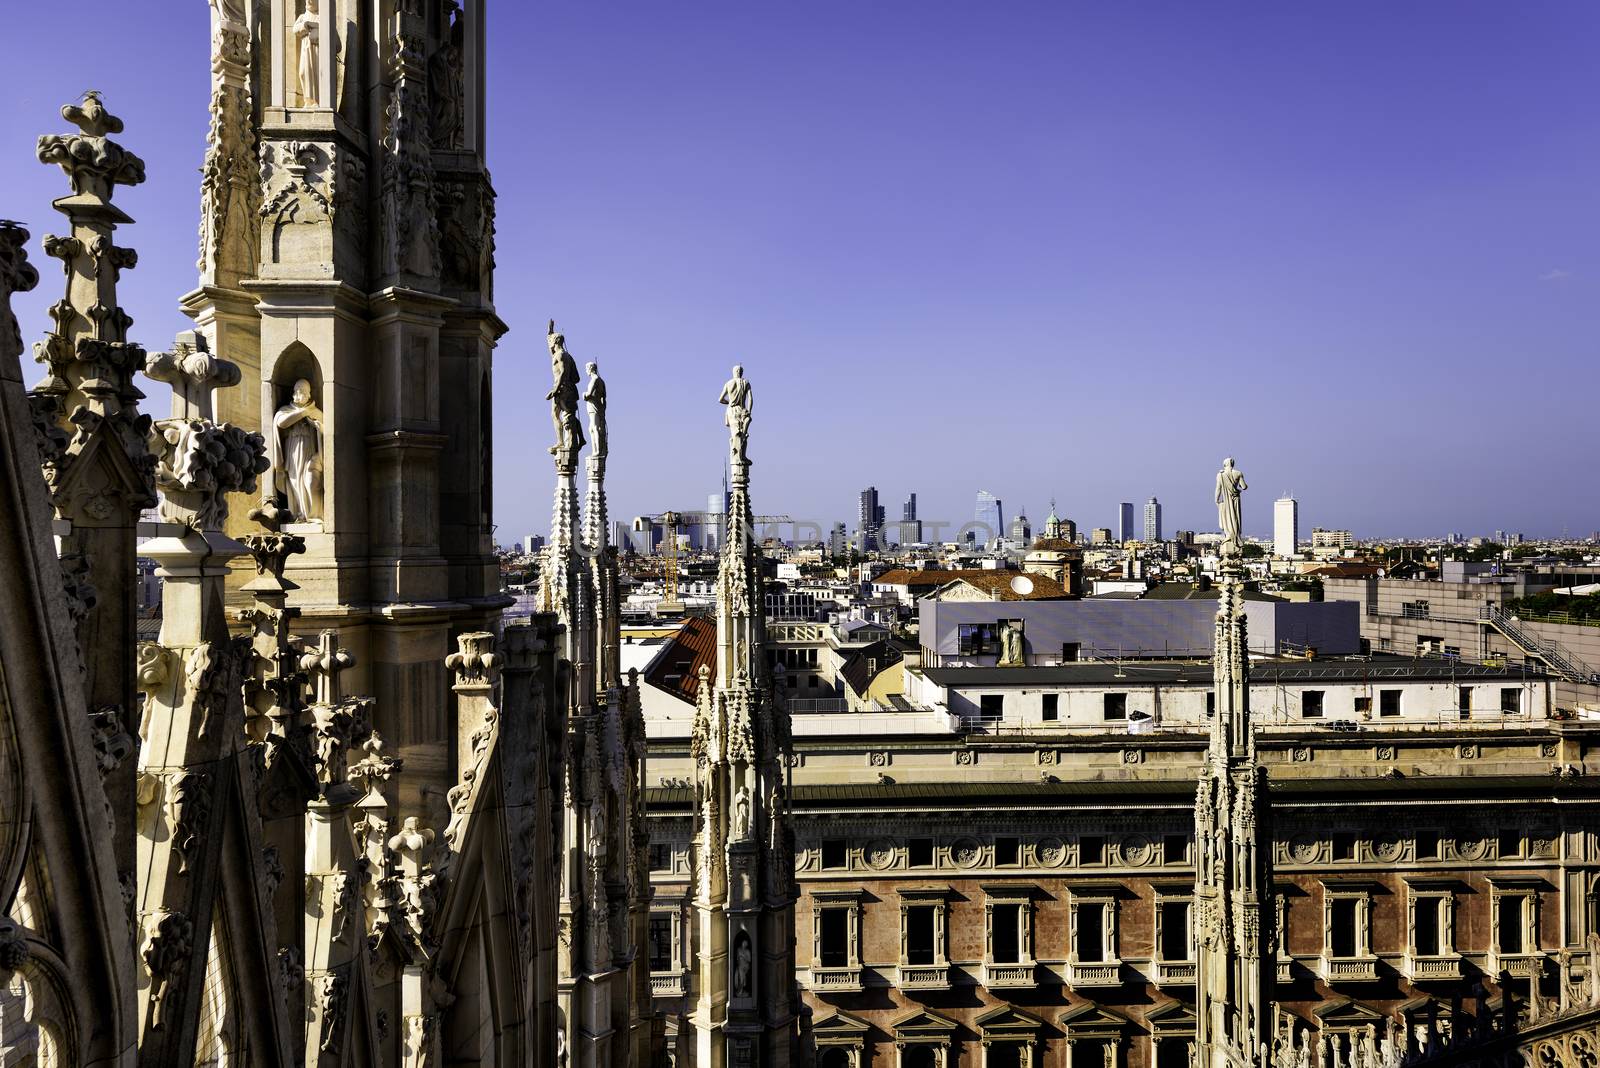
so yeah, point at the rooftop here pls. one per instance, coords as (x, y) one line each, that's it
(1198, 672)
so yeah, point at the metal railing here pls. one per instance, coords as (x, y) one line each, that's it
(1558, 659)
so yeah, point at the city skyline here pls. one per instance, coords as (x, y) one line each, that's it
(1384, 213)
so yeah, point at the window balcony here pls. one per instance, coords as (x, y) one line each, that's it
(1349, 969)
(667, 984)
(1095, 973)
(1000, 976)
(1285, 969)
(1432, 966)
(1517, 965)
(924, 977)
(836, 980)
(1175, 972)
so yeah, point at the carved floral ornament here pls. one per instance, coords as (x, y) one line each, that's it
(92, 161)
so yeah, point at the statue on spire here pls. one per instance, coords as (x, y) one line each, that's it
(737, 395)
(1230, 489)
(563, 398)
(595, 397)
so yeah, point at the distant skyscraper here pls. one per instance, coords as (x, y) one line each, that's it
(1101, 536)
(1021, 530)
(1125, 527)
(1152, 521)
(910, 525)
(837, 541)
(990, 515)
(1285, 527)
(869, 525)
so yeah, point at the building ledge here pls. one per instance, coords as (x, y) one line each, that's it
(999, 976)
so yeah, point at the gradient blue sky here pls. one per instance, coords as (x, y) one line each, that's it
(1070, 249)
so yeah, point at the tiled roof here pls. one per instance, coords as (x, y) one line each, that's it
(997, 585)
(676, 668)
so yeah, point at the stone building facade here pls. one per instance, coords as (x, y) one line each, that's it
(993, 899)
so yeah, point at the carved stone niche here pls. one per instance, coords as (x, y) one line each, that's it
(297, 209)
(302, 442)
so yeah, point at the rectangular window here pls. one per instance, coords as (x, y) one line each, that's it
(978, 639)
(1342, 926)
(1363, 706)
(1091, 932)
(1428, 942)
(835, 940)
(660, 856)
(920, 852)
(919, 934)
(1509, 922)
(1464, 702)
(1311, 704)
(1211, 703)
(1344, 846)
(1006, 935)
(1510, 844)
(1389, 702)
(833, 853)
(1511, 700)
(660, 942)
(1049, 707)
(991, 706)
(1005, 851)
(1069, 651)
(1175, 930)
(1415, 610)
(1091, 850)
(1175, 849)
(1116, 705)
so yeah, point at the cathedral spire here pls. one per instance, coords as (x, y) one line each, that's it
(744, 1003)
(1234, 903)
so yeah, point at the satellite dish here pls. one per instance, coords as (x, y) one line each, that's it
(1022, 585)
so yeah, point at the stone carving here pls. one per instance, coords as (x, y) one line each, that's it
(1387, 846)
(17, 275)
(307, 32)
(92, 162)
(1011, 654)
(740, 399)
(331, 1002)
(445, 88)
(743, 968)
(410, 227)
(563, 398)
(198, 463)
(190, 801)
(594, 395)
(1051, 851)
(965, 852)
(169, 940)
(230, 194)
(297, 461)
(1230, 487)
(879, 855)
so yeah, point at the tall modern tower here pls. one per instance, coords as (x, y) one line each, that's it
(990, 516)
(1126, 531)
(869, 521)
(1152, 522)
(910, 525)
(1285, 527)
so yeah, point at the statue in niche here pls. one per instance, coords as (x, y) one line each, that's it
(595, 397)
(1011, 645)
(298, 463)
(742, 966)
(445, 87)
(563, 398)
(307, 32)
(736, 394)
(741, 814)
(1230, 487)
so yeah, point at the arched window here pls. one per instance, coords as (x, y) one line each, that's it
(833, 1057)
(920, 1055)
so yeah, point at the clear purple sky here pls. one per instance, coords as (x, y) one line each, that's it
(1080, 250)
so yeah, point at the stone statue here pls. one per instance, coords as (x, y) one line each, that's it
(307, 35)
(298, 462)
(1230, 485)
(445, 89)
(563, 398)
(1011, 645)
(741, 814)
(595, 397)
(737, 396)
(741, 968)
